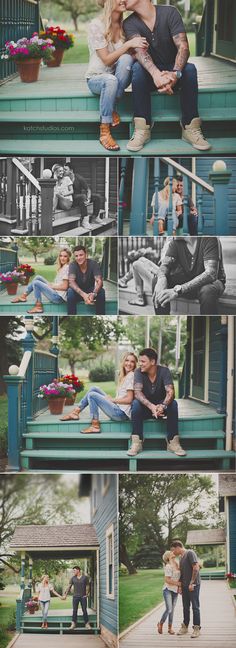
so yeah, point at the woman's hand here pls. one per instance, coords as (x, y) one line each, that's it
(138, 41)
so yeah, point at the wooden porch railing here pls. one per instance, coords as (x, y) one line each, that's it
(18, 18)
(129, 245)
(26, 204)
(36, 368)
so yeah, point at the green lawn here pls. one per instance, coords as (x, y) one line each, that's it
(80, 54)
(7, 620)
(139, 594)
(109, 387)
(3, 424)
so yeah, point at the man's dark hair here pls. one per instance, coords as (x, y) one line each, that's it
(77, 567)
(77, 248)
(176, 543)
(150, 353)
(179, 178)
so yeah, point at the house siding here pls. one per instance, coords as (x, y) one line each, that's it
(102, 518)
(203, 167)
(232, 533)
(214, 362)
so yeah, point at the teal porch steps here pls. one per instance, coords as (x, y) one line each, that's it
(7, 308)
(59, 111)
(49, 442)
(58, 624)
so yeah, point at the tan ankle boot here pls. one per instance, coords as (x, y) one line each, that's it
(175, 447)
(141, 135)
(160, 627)
(192, 133)
(170, 630)
(161, 229)
(136, 446)
(94, 428)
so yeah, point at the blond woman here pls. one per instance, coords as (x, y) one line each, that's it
(55, 292)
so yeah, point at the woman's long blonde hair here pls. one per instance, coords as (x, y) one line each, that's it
(44, 578)
(122, 373)
(58, 262)
(165, 192)
(108, 8)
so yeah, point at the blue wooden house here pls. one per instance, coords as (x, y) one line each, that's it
(207, 405)
(103, 490)
(96, 543)
(34, 120)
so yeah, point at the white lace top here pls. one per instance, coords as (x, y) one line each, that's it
(62, 274)
(97, 41)
(126, 385)
(173, 573)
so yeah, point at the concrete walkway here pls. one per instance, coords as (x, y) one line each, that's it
(218, 623)
(57, 641)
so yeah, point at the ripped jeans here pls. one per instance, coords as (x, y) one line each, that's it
(110, 86)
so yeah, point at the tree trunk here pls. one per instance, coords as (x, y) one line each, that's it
(124, 558)
(75, 21)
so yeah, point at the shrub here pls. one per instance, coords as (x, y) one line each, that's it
(211, 562)
(103, 372)
(50, 260)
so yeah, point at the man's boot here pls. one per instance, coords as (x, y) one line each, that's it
(183, 629)
(174, 446)
(136, 446)
(192, 133)
(88, 626)
(85, 223)
(196, 632)
(72, 626)
(141, 135)
(94, 428)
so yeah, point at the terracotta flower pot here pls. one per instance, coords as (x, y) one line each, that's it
(57, 58)
(24, 280)
(11, 288)
(56, 405)
(29, 70)
(70, 401)
(32, 610)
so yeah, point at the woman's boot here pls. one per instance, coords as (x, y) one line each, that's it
(161, 229)
(94, 428)
(170, 629)
(160, 627)
(106, 138)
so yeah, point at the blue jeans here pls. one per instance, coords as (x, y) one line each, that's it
(96, 398)
(83, 602)
(170, 599)
(73, 298)
(110, 86)
(44, 607)
(143, 85)
(40, 287)
(191, 598)
(139, 413)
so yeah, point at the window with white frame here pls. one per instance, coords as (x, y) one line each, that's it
(110, 571)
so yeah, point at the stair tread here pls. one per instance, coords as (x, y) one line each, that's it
(86, 116)
(121, 454)
(90, 147)
(213, 434)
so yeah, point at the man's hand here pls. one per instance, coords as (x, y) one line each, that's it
(165, 297)
(91, 298)
(191, 587)
(160, 410)
(86, 298)
(162, 81)
(153, 409)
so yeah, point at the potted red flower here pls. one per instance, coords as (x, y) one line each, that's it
(78, 386)
(32, 605)
(61, 41)
(27, 272)
(55, 393)
(11, 280)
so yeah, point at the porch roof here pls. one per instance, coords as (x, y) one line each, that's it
(227, 485)
(38, 537)
(206, 537)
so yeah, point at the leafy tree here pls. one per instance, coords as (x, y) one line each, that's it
(27, 499)
(10, 328)
(77, 8)
(157, 508)
(162, 337)
(37, 245)
(84, 338)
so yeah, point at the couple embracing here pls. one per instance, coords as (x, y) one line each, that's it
(181, 571)
(150, 50)
(143, 392)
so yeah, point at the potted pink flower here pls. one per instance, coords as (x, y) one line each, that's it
(55, 393)
(28, 54)
(11, 280)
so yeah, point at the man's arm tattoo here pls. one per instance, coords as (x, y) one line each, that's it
(74, 285)
(206, 277)
(195, 572)
(138, 393)
(170, 394)
(183, 53)
(144, 59)
(98, 283)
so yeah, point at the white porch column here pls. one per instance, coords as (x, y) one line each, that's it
(230, 383)
(98, 588)
(22, 571)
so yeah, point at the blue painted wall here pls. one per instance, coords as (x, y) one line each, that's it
(203, 167)
(105, 515)
(232, 533)
(215, 362)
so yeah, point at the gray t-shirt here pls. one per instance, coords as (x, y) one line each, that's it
(186, 567)
(79, 585)
(86, 280)
(155, 392)
(162, 48)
